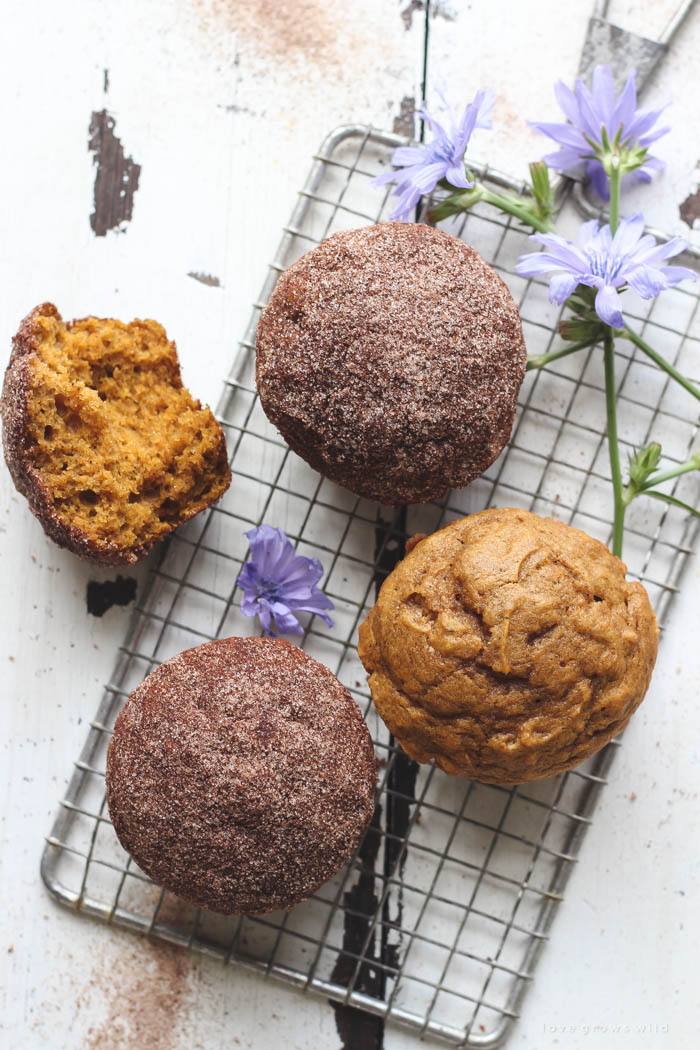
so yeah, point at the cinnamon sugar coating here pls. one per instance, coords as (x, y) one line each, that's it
(508, 647)
(390, 359)
(241, 775)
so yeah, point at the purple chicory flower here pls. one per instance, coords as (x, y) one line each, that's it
(606, 262)
(275, 581)
(587, 112)
(422, 167)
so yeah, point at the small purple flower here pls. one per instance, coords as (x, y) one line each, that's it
(275, 580)
(606, 262)
(422, 167)
(587, 112)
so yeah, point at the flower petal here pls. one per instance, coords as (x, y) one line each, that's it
(627, 235)
(285, 621)
(457, 178)
(642, 123)
(567, 101)
(251, 606)
(564, 134)
(607, 306)
(647, 281)
(561, 286)
(563, 159)
(591, 121)
(598, 179)
(405, 156)
(652, 252)
(434, 124)
(264, 614)
(675, 274)
(408, 199)
(603, 90)
(385, 177)
(316, 604)
(566, 253)
(623, 114)
(587, 232)
(535, 263)
(647, 140)
(484, 101)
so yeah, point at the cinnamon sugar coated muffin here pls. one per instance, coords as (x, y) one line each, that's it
(241, 775)
(390, 359)
(508, 647)
(110, 449)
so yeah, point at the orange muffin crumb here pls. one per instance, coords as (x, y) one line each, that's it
(100, 434)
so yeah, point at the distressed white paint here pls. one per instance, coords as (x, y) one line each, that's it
(217, 183)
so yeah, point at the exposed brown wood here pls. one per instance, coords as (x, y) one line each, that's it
(205, 278)
(116, 178)
(101, 595)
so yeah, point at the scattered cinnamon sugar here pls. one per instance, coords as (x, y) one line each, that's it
(305, 29)
(174, 912)
(144, 989)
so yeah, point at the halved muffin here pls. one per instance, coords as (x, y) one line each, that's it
(110, 449)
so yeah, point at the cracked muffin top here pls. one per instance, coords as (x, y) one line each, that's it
(390, 358)
(508, 647)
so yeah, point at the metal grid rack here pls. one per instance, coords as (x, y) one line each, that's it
(436, 923)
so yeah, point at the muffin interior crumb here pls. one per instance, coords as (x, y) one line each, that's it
(125, 451)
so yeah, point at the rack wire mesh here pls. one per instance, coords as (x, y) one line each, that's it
(436, 923)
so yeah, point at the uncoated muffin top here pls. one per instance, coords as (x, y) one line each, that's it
(508, 647)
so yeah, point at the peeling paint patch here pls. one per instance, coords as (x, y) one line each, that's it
(116, 179)
(205, 278)
(102, 595)
(233, 108)
(404, 123)
(443, 9)
(690, 209)
(438, 9)
(408, 12)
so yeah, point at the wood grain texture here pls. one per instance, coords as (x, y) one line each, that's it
(223, 121)
(116, 176)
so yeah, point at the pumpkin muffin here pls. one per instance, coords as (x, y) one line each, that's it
(390, 358)
(508, 647)
(101, 436)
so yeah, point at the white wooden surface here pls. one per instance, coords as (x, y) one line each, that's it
(222, 103)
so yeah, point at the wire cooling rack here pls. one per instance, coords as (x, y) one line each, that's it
(436, 923)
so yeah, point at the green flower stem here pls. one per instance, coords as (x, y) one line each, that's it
(613, 446)
(614, 176)
(519, 209)
(542, 360)
(511, 205)
(627, 333)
